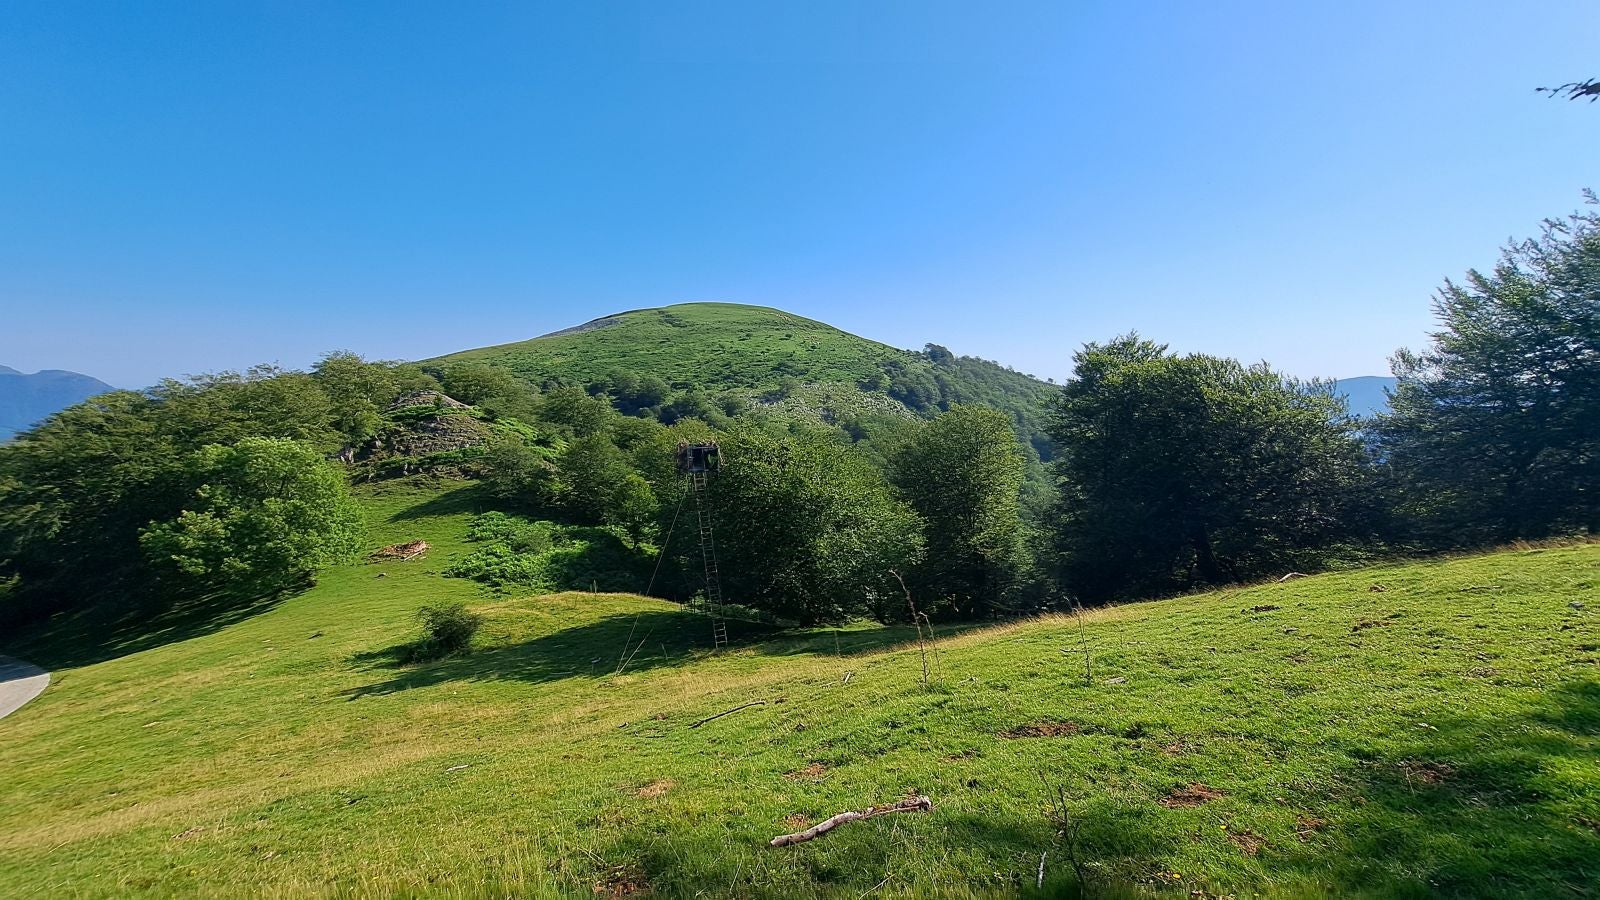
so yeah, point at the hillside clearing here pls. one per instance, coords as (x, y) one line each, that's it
(1411, 730)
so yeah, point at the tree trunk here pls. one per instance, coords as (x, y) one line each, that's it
(1209, 569)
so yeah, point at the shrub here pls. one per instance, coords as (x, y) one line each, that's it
(447, 629)
(545, 557)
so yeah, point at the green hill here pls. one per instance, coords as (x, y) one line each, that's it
(766, 357)
(1416, 730)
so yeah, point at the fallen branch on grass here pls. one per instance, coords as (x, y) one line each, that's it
(729, 712)
(914, 804)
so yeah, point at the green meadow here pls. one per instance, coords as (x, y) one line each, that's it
(1422, 729)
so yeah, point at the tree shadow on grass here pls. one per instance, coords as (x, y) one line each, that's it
(1475, 806)
(469, 499)
(104, 630)
(620, 644)
(615, 644)
(822, 641)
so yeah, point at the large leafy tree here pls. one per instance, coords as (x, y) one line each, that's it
(808, 530)
(962, 473)
(472, 382)
(596, 486)
(76, 491)
(1494, 431)
(358, 390)
(258, 516)
(1176, 471)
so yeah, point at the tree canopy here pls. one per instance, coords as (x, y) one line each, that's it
(1494, 431)
(962, 473)
(1183, 470)
(258, 516)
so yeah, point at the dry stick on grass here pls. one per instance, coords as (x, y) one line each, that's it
(915, 622)
(729, 712)
(1083, 640)
(629, 661)
(914, 804)
(626, 643)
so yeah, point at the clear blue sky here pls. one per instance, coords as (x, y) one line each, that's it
(195, 186)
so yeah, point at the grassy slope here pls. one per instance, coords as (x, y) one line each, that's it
(728, 346)
(1442, 735)
(709, 344)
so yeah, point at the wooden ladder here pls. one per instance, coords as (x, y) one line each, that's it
(712, 604)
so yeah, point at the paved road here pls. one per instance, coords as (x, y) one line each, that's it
(19, 683)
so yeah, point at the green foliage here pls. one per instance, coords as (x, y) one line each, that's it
(588, 473)
(1494, 432)
(76, 491)
(701, 359)
(477, 382)
(574, 412)
(808, 530)
(358, 391)
(1176, 471)
(632, 507)
(519, 472)
(447, 630)
(595, 485)
(542, 556)
(258, 516)
(962, 473)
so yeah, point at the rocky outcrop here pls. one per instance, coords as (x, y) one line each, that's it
(425, 398)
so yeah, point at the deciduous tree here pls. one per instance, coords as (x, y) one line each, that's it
(1176, 471)
(1494, 431)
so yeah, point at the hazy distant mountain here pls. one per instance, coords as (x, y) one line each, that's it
(26, 400)
(1366, 394)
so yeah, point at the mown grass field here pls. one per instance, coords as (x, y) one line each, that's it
(1414, 730)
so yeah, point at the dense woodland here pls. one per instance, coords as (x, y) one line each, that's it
(931, 489)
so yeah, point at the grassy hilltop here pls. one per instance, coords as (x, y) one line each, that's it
(760, 354)
(707, 344)
(1417, 730)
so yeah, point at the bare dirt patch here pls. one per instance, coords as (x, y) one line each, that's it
(1250, 843)
(656, 788)
(622, 881)
(1427, 772)
(1369, 623)
(1265, 607)
(1042, 729)
(1305, 827)
(811, 772)
(1194, 794)
(1177, 748)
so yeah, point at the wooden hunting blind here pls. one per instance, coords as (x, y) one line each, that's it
(697, 459)
(699, 462)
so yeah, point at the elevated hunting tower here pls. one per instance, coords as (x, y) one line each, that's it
(699, 462)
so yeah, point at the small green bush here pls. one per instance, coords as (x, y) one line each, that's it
(545, 557)
(447, 629)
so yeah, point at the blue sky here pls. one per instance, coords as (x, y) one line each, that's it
(192, 187)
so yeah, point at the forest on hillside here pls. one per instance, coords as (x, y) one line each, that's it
(937, 494)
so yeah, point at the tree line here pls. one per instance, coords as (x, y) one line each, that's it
(1166, 473)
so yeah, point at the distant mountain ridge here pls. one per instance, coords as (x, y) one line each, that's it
(26, 400)
(1366, 394)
